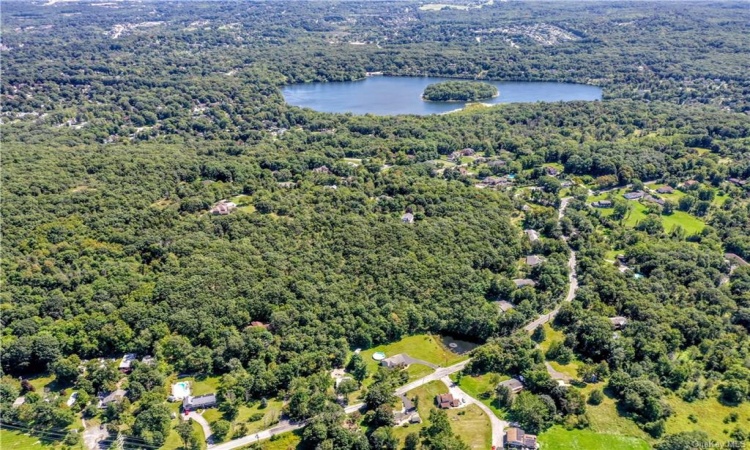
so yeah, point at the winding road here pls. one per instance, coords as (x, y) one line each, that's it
(572, 280)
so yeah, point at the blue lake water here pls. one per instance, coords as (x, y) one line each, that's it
(386, 95)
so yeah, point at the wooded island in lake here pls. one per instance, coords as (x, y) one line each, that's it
(459, 91)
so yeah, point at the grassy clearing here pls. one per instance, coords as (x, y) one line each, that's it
(417, 371)
(606, 419)
(477, 386)
(41, 381)
(473, 426)
(14, 440)
(271, 413)
(710, 415)
(286, 441)
(203, 385)
(558, 438)
(552, 335)
(422, 346)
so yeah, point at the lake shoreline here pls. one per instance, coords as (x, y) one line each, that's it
(387, 95)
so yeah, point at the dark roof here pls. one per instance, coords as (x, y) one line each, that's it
(521, 282)
(200, 402)
(512, 384)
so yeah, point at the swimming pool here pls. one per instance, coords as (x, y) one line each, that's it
(181, 390)
(378, 356)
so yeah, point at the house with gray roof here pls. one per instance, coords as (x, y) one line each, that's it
(191, 403)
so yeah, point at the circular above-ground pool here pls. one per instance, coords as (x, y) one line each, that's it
(378, 356)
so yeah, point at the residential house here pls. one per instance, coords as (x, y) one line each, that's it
(566, 183)
(495, 181)
(148, 360)
(446, 401)
(286, 184)
(407, 218)
(532, 234)
(634, 195)
(738, 182)
(514, 385)
(665, 190)
(602, 204)
(534, 260)
(690, 183)
(496, 163)
(113, 397)
(516, 438)
(395, 361)
(127, 362)
(618, 322)
(521, 282)
(19, 401)
(504, 305)
(551, 171)
(256, 323)
(322, 169)
(652, 199)
(467, 152)
(223, 207)
(191, 403)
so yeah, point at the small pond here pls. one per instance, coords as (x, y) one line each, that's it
(387, 95)
(457, 345)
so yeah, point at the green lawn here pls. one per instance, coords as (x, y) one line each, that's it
(203, 385)
(605, 418)
(558, 438)
(10, 440)
(689, 223)
(286, 441)
(271, 413)
(710, 416)
(476, 386)
(473, 426)
(244, 203)
(422, 346)
(417, 371)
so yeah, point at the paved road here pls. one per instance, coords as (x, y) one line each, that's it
(572, 281)
(498, 426)
(283, 427)
(286, 426)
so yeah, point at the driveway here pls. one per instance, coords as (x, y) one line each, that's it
(498, 426)
(203, 423)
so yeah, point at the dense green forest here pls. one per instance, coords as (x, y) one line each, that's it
(123, 126)
(459, 91)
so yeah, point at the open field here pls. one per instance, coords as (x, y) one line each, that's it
(558, 438)
(14, 440)
(710, 415)
(421, 346)
(286, 441)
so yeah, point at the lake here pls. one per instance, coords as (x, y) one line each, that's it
(387, 96)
